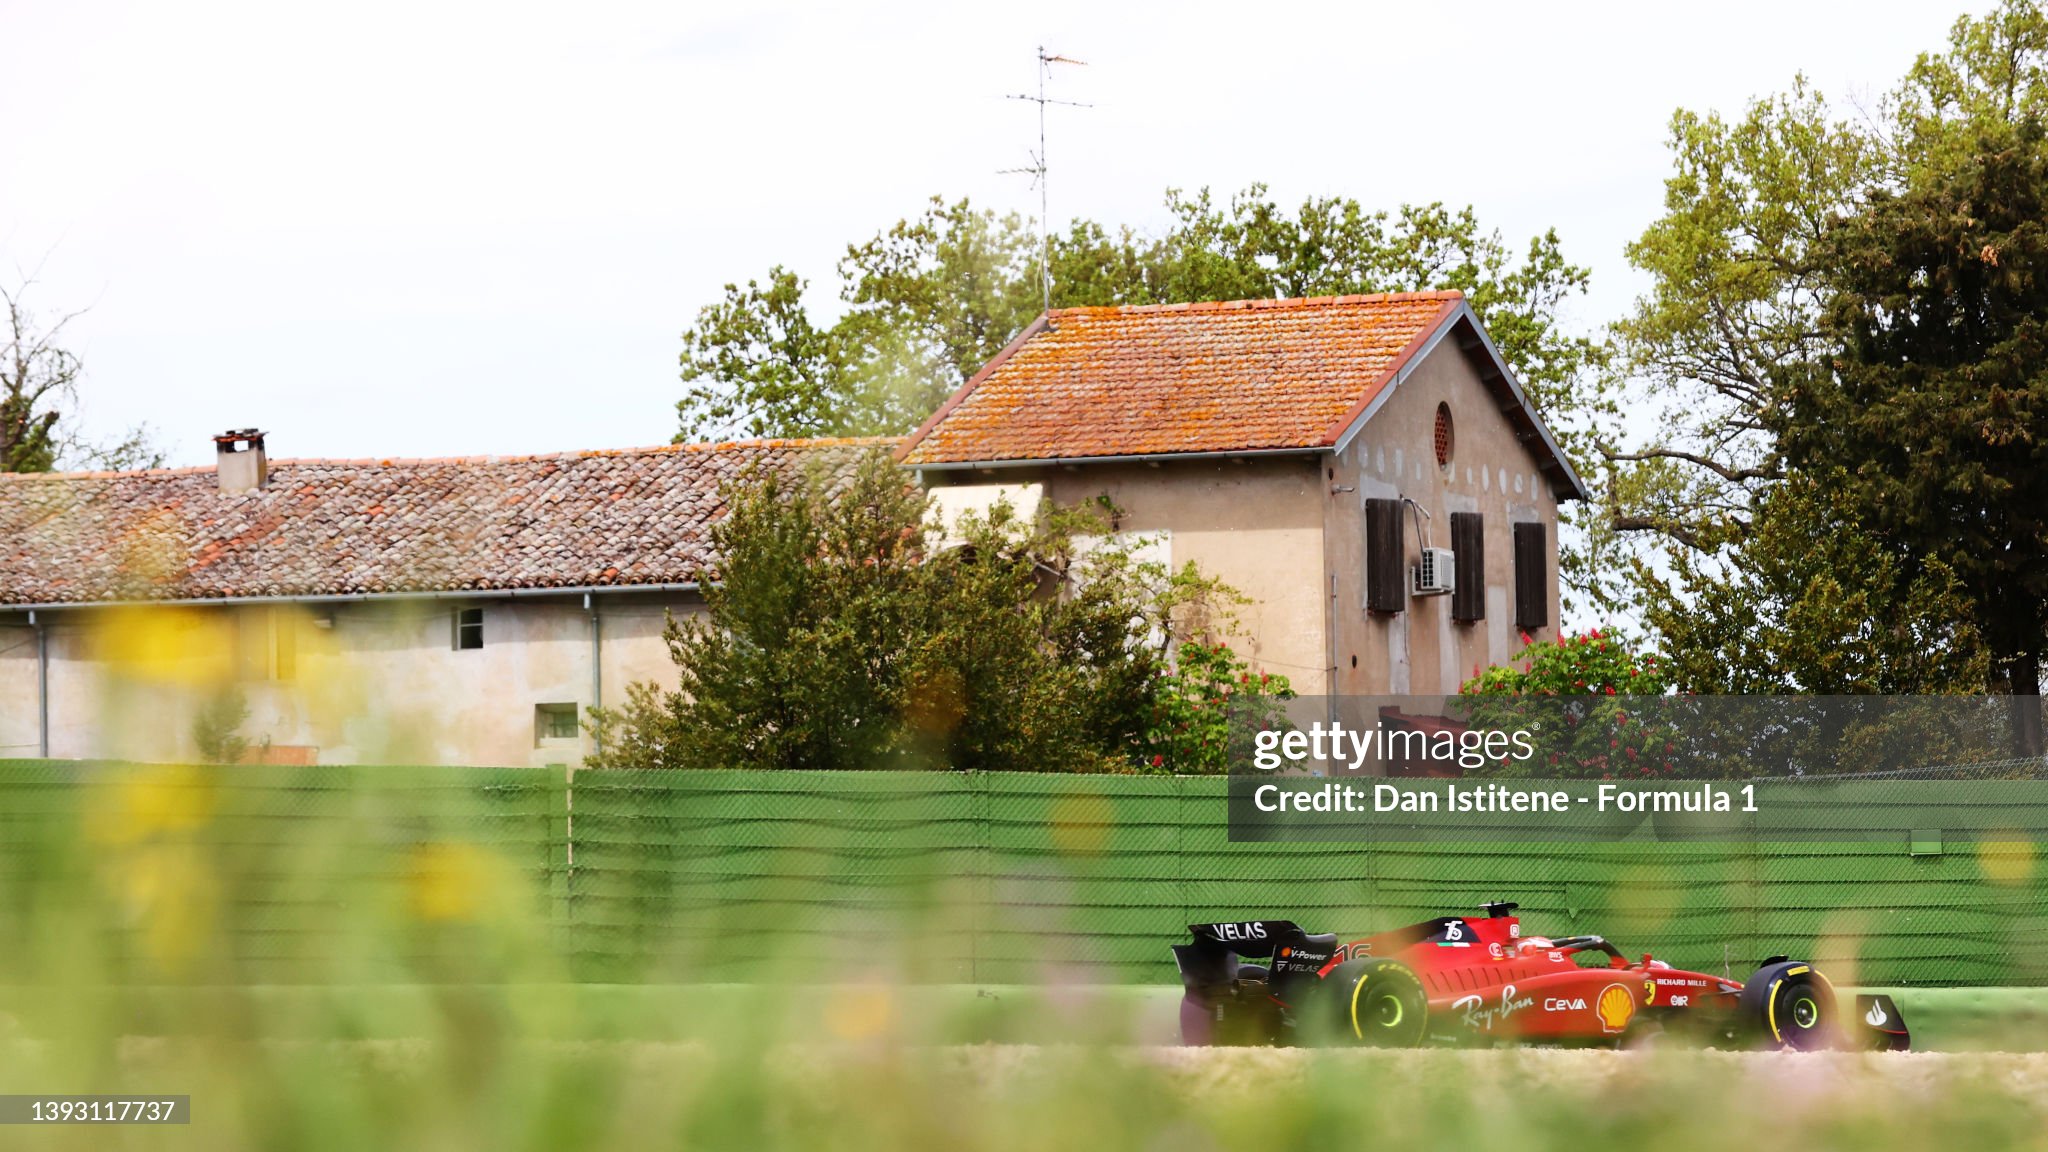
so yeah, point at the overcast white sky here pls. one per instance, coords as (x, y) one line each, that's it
(432, 229)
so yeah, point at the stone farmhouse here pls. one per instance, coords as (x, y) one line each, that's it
(1365, 469)
(1306, 452)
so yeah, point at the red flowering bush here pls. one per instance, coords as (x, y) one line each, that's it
(1573, 695)
(1592, 663)
(1208, 710)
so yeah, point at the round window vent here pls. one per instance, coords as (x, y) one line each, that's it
(1446, 436)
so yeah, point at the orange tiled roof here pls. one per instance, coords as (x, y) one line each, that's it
(1246, 375)
(345, 527)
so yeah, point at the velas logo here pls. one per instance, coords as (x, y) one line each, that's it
(1615, 1008)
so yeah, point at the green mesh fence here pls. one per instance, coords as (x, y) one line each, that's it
(270, 874)
(335, 874)
(1020, 877)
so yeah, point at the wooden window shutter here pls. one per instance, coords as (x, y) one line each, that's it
(1385, 557)
(1532, 586)
(1468, 544)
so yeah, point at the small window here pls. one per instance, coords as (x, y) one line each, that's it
(1446, 436)
(469, 628)
(554, 722)
(1532, 580)
(1468, 544)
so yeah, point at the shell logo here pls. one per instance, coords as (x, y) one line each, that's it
(1615, 1008)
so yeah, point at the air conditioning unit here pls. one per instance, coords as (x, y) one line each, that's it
(1437, 573)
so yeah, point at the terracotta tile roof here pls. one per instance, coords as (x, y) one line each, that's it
(1245, 375)
(338, 527)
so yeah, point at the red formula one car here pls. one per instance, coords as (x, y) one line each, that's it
(1479, 979)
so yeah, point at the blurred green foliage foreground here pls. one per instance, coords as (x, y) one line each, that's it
(481, 1077)
(403, 958)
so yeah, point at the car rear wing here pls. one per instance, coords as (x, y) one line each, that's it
(1209, 962)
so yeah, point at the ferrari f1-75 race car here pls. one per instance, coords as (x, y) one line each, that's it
(1479, 979)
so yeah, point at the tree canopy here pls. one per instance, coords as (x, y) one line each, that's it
(1931, 414)
(848, 632)
(39, 400)
(931, 299)
(1749, 529)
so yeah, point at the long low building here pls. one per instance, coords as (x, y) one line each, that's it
(462, 610)
(1365, 470)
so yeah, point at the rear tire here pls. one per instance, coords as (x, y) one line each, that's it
(1377, 1003)
(1790, 1005)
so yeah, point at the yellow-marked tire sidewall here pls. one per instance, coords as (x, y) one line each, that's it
(1358, 981)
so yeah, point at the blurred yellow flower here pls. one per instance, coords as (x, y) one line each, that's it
(862, 1013)
(159, 645)
(2006, 861)
(454, 882)
(1081, 824)
(156, 864)
(170, 896)
(147, 803)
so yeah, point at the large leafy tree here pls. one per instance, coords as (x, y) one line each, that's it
(931, 299)
(1934, 405)
(1817, 604)
(845, 633)
(1743, 280)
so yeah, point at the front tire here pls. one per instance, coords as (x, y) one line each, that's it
(1378, 1003)
(1790, 1005)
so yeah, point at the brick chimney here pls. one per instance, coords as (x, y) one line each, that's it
(239, 460)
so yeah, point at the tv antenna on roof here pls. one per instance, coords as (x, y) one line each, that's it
(1037, 169)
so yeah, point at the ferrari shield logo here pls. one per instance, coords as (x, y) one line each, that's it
(1615, 1008)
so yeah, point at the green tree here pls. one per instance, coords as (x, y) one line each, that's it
(1934, 407)
(36, 375)
(1742, 279)
(1208, 709)
(844, 633)
(1811, 602)
(39, 396)
(217, 728)
(1581, 699)
(1735, 296)
(931, 299)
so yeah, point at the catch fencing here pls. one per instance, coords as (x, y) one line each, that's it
(407, 873)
